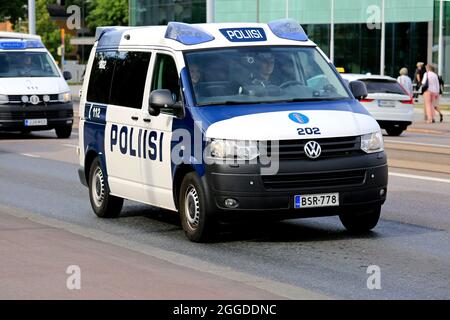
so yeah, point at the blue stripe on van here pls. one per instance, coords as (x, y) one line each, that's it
(188, 124)
(94, 132)
(211, 114)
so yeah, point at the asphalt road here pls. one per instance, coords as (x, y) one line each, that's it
(410, 244)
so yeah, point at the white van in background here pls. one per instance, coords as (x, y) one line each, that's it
(34, 94)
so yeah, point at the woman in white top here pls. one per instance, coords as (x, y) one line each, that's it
(405, 81)
(431, 93)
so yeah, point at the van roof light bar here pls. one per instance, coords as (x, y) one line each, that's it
(288, 29)
(16, 44)
(187, 34)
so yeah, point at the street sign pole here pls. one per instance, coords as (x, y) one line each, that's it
(287, 9)
(31, 17)
(332, 33)
(441, 39)
(257, 10)
(63, 36)
(383, 39)
(210, 11)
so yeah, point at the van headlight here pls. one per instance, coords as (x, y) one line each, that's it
(372, 142)
(65, 97)
(233, 149)
(4, 99)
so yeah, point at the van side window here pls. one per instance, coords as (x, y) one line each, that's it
(165, 75)
(128, 84)
(101, 76)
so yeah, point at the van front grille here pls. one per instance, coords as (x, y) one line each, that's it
(18, 98)
(314, 180)
(331, 147)
(22, 115)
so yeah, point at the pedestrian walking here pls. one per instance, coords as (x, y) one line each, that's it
(405, 81)
(418, 77)
(430, 91)
(436, 103)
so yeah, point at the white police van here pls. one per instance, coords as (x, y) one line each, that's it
(227, 120)
(33, 92)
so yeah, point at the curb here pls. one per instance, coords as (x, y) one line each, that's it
(428, 131)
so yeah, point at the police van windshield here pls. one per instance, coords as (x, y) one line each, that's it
(26, 64)
(262, 75)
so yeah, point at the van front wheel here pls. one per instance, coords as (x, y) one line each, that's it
(103, 204)
(197, 224)
(361, 219)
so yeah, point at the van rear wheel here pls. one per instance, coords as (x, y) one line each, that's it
(197, 224)
(395, 131)
(63, 132)
(103, 204)
(361, 220)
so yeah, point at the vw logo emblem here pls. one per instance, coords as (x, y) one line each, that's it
(312, 149)
(34, 99)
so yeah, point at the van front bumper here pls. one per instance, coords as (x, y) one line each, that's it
(13, 116)
(360, 181)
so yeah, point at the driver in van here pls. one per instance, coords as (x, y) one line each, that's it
(266, 65)
(28, 65)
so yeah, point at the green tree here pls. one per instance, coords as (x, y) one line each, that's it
(14, 9)
(107, 13)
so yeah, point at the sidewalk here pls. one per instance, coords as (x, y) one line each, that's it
(420, 126)
(35, 257)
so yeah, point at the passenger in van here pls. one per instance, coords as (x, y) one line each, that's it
(194, 71)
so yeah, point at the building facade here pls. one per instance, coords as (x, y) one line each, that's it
(411, 33)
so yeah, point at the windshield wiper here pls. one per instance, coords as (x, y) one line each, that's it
(228, 103)
(223, 103)
(314, 99)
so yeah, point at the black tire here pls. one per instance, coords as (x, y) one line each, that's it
(197, 224)
(103, 204)
(395, 131)
(361, 220)
(63, 132)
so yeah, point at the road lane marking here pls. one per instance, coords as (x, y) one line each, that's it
(418, 143)
(70, 145)
(30, 155)
(413, 176)
(284, 290)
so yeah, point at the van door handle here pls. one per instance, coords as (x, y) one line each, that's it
(135, 118)
(147, 120)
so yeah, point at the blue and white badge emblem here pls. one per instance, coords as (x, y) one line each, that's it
(298, 118)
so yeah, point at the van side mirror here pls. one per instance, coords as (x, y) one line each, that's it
(358, 89)
(163, 99)
(67, 75)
